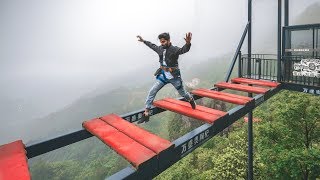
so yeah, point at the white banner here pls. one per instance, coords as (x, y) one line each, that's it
(307, 68)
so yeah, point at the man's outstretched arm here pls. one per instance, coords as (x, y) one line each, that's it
(187, 46)
(149, 44)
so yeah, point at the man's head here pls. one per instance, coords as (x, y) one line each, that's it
(164, 39)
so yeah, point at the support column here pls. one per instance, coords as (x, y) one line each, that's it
(249, 37)
(279, 42)
(250, 145)
(286, 12)
(250, 133)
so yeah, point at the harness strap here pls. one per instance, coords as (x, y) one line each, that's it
(168, 69)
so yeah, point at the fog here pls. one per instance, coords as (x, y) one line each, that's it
(53, 52)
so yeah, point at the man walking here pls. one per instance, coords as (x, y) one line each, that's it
(169, 70)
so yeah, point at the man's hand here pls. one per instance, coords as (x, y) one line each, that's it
(188, 38)
(140, 38)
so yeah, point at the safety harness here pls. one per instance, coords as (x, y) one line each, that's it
(160, 73)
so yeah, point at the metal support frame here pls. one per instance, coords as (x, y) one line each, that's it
(186, 144)
(313, 41)
(317, 41)
(303, 26)
(47, 145)
(182, 144)
(250, 143)
(249, 36)
(182, 147)
(250, 130)
(279, 40)
(281, 65)
(240, 65)
(237, 53)
(286, 12)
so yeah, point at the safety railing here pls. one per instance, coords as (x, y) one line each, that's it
(301, 69)
(263, 66)
(295, 69)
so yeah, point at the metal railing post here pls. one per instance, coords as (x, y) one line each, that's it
(258, 60)
(240, 65)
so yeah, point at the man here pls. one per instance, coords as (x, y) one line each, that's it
(169, 70)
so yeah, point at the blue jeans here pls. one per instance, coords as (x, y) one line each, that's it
(176, 82)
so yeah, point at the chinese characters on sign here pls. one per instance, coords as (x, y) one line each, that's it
(307, 68)
(311, 91)
(194, 141)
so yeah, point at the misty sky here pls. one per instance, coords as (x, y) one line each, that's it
(54, 51)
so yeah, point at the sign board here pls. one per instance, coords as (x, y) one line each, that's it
(307, 68)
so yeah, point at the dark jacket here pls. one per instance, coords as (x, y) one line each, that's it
(172, 53)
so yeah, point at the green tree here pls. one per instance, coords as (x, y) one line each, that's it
(288, 140)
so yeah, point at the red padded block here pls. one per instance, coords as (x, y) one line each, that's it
(131, 150)
(13, 162)
(205, 114)
(199, 108)
(96, 126)
(147, 139)
(240, 87)
(227, 97)
(255, 82)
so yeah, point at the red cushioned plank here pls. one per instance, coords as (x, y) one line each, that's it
(13, 162)
(147, 139)
(226, 94)
(240, 87)
(255, 82)
(202, 113)
(227, 97)
(199, 108)
(131, 150)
